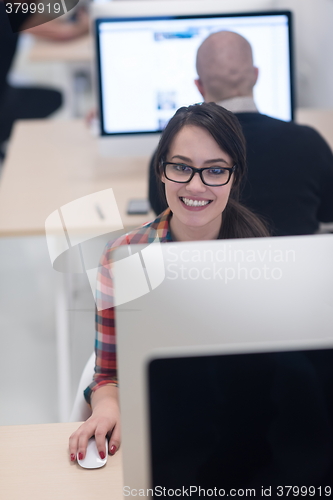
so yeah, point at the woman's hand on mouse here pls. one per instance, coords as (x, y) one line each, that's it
(105, 420)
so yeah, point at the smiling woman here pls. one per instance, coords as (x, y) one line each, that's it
(197, 206)
(210, 137)
(200, 160)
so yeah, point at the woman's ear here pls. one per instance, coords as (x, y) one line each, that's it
(234, 179)
(234, 188)
(162, 176)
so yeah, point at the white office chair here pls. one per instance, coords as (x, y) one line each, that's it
(81, 410)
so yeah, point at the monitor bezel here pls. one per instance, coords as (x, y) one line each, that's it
(99, 21)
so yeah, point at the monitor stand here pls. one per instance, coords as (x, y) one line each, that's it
(128, 145)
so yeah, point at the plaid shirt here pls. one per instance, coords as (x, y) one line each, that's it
(105, 342)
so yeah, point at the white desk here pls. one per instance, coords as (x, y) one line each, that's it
(320, 119)
(51, 163)
(70, 51)
(35, 465)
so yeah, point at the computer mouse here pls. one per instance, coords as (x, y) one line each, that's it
(92, 460)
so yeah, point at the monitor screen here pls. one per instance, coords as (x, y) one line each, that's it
(242, 424)
(146, 66)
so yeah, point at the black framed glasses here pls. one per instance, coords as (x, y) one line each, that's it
(211, 176)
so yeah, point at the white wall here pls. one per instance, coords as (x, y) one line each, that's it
(313, 37)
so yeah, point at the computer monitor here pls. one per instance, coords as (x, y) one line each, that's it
(234, 422)
(214, 298)
(146, 66)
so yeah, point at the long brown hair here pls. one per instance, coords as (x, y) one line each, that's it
(237, 220)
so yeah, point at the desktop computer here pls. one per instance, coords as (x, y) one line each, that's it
(227, 362)
(146, 68)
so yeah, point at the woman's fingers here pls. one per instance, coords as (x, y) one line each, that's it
(98, 427)
(100, 435)
(79, 439)
(82, 444)
(73, 440)
(114, 442)
(103, 421)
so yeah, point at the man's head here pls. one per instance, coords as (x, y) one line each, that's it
(225, 67)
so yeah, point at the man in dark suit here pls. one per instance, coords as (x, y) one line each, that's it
(290, 166)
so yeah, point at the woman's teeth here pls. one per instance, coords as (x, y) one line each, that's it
(195, 203)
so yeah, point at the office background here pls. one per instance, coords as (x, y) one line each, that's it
(28, 388)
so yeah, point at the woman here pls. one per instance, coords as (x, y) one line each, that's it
(201, 161)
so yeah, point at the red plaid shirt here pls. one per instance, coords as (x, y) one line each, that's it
(105, 342)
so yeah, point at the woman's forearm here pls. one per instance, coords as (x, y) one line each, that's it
(104, 396)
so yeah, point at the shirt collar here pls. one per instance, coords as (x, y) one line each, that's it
(162, 226)
(240, 104)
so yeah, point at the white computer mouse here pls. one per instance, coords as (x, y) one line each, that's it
(92, 460)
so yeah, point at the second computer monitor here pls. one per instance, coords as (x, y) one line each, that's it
(146, 66)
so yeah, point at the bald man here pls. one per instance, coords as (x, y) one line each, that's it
(225, 68)
(290, 166)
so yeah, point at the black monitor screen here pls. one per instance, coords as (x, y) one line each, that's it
(255, 422)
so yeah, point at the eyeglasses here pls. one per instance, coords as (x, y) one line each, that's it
(211, 176)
